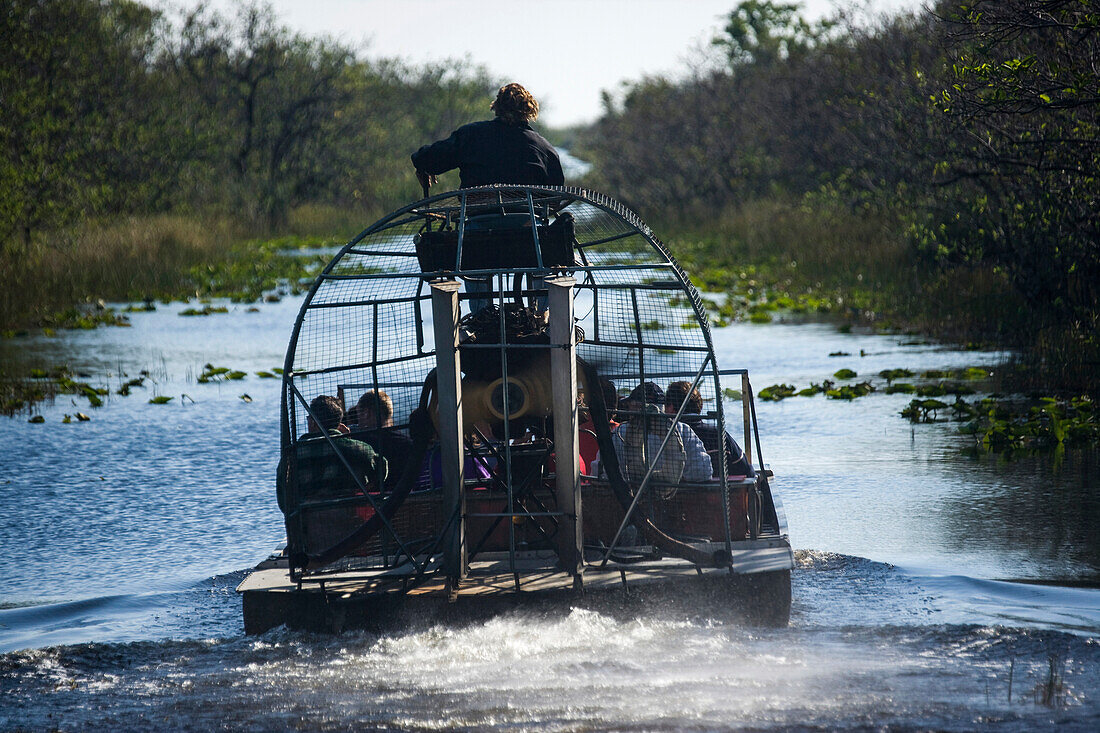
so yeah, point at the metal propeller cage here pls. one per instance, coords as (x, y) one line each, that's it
(367, 324)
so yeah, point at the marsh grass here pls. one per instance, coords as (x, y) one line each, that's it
(863, 268)
(329, 222)
(160, 258)
(1051, 691)
(131, 259)
(860, 266)
(793, 246)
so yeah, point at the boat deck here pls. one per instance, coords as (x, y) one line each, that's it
(379, 598)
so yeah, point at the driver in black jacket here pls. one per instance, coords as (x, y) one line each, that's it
(502, 150)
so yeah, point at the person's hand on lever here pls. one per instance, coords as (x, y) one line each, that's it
(427, 180)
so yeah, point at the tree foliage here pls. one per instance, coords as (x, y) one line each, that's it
(847, 111)
(265, 104)
(976, 124)
(73, 77)
(1022, 178)
(113, 108)
(762, 33)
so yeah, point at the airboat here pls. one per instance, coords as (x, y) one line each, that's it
(519, 333)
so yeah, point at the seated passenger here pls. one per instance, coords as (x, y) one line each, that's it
(586, 438)
(638, 439)
(317, 470)
(647, 393)
(736, 462)
(375, 427)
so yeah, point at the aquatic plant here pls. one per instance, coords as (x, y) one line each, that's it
(58, 380)
(932, 390)
(160, 400)
(18, 394)
(1010, 425)
(891, 374)
(212, 373)
(124, 390)
(760, 316)
(923, 410)
(850, 391)
(776, 392)
(845, 374)
(86, 319)
(206, 310)
(1051, 691)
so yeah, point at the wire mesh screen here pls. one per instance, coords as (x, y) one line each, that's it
(366, 329)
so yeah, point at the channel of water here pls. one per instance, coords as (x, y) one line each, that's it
(124, 537)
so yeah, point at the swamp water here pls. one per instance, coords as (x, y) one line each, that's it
(124, 537)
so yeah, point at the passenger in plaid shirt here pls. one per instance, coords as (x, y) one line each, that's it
(317, 470)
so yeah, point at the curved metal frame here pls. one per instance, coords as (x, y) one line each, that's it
(429, 210)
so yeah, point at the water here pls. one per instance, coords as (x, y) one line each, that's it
(125, 536)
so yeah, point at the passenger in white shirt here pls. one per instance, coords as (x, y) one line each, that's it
(638, 440)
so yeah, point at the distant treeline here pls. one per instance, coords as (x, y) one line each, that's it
(111, 108)
(974, 128)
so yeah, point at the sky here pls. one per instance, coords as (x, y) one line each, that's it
(564, 51)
